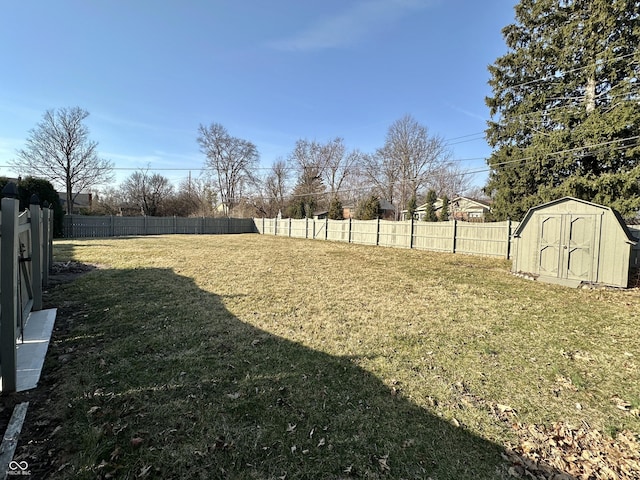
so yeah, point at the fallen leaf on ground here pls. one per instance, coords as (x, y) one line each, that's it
(136, 441)
(563, 452)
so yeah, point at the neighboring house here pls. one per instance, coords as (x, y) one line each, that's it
(349, 211)
(465, 209)
(387, 211)
(129, 210)
(83, 202)
(460, 208)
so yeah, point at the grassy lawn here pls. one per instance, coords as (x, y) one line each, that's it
(256, 357)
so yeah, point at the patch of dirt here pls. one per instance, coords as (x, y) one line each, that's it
(37, 445)
(65, 272)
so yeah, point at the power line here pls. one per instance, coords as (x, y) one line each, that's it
(557, 76)
(467, 172)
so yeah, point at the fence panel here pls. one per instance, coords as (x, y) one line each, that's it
(267, 225)
(25, 270)
(83, 226)
(338, 230)
(91, 227)
(395, 234)
(25, 256)
(318, 229)
(364, 232)
(436, 236)
(298, 228)
(126, 226)
(488, 239)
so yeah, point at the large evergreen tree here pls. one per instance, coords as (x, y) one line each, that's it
(429, 211)
(46, 193)
(566, 106)
(368, 208)
(444, 211)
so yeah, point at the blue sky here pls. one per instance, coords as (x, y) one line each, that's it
(272, 72)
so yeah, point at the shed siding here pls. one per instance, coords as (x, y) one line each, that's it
(569, 241)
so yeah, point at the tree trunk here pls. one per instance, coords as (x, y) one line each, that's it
(590, 95)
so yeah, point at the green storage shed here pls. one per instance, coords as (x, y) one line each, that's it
(573, 242)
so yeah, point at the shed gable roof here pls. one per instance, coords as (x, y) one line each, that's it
(533, 210)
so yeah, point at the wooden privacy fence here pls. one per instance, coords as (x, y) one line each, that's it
(26, 256)
(487, 239)
(82, 226)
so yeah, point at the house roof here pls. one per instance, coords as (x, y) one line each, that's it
(438, 203)
(533, 210)
(386, 205)
(483, 203)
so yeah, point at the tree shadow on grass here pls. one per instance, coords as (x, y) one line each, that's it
(148, 376)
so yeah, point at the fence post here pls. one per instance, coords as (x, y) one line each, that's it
(36, 251)
(47, 260)
(378, 232)
(112, 229)
(508, 238)
(455, 233)
(326, 228)
(411, 234)
(9, 287)
(306, 226)
(289, 227)
(349, 238)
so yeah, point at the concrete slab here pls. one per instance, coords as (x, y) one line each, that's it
(31, 352)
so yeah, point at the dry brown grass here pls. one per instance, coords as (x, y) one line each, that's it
(259, 353)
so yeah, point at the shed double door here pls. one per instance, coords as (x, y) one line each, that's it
(568, 246)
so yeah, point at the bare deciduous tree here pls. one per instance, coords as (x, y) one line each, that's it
(232, 161)
(323, 166)
(450, 180)
(383, 174)
(59, 149)
(107, 201)
(147, 191)
(276, 187)
(401, 168)
(199, 194)
(338, 164)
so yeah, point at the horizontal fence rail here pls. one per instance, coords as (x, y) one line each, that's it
(486, 239)
(83, 226)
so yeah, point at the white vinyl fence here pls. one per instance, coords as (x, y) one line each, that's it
(487, 239)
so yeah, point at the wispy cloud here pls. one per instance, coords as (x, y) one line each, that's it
(351, 26)
(469, 113)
